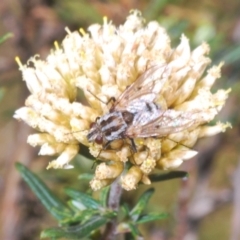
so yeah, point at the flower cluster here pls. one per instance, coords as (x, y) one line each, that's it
(102, 63)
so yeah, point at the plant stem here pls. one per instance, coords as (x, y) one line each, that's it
(113, 203)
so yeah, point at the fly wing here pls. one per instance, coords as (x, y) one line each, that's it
(163, 124)
(146, 87)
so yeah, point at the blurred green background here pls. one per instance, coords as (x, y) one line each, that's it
(207, 205)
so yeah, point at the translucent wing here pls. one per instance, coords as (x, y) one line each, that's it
(163, 123)
(144, 88)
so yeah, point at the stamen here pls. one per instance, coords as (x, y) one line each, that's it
(56, 45)
(68, 30)
(17, 59)
(105, 19)
(82, 31)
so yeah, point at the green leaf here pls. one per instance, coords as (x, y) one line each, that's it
(5, 37)
(141, 204)
(53, 204)
(134, 231)
(86, 176)
(75, 232)
(83, 198)
(82, 217)
(125, 209)
(151, 217)
(104, 196)
(76, 205)
(167, 176)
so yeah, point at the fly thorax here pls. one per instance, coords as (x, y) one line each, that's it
(113, 125)
(150, 111)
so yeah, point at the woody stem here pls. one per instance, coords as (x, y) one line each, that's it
(113, 203)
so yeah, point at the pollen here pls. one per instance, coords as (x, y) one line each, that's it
(17, 59)
(56, 45)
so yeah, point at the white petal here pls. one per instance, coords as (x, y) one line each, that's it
(67, 155)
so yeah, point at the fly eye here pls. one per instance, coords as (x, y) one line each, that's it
(99, 140)
(93, 124)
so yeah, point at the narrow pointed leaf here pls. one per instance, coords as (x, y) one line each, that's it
(167, 176)
(53, 204)
(76, 205)
(5, 37)
(86, 176)
(80, 217)
(151, 217)
(125, 209)
(104, 196)
(83, 198)
(75, 232)
(141, 204)
(134, 231)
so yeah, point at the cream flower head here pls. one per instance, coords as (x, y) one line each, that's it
(103, 62)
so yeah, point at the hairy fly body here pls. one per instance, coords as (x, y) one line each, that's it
(135, 107)
(137, 114)
(110, 127)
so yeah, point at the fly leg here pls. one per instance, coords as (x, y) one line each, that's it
(111, 99)
(133, 145)
(106, 145)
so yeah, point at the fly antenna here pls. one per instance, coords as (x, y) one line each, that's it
(100, 100)
(76, 131)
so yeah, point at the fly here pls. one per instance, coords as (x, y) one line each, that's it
(136, 113)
